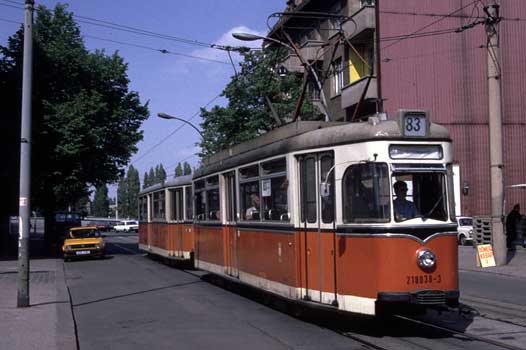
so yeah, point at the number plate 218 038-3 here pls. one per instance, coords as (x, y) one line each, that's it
(423, 279)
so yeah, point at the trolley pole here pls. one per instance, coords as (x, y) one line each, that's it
(25, 161)
(495, 135)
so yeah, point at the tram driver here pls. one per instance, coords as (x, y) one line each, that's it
(403, 208)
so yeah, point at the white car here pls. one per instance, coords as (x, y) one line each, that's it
(465, 230)
(127, 226)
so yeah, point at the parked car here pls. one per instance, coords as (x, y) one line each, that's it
(465, 230)
(127, 226)
(83, 241)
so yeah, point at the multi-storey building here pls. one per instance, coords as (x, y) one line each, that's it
(432, 56)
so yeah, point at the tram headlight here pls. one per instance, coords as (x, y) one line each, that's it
(426, 259)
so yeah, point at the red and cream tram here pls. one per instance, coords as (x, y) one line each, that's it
(165, 219)
(350, 215)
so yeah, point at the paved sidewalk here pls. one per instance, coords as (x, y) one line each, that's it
(48, 322)
(516, 267)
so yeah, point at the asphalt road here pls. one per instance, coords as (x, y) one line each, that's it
(128, 301)
(494, 287)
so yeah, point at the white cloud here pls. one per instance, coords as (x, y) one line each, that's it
(228, 40)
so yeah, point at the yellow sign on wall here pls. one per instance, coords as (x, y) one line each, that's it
(485, 255)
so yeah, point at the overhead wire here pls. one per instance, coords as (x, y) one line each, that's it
(173, 132)
(432, 23)
(164, 51)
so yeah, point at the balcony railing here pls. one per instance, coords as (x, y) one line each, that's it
(360, 23)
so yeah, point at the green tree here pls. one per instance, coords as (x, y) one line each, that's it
(187, 169)
(134, 187)
(101, 203)
(151, 177)
(145, 180)
(258, 101)
(162, 174)
(122, 197)
(85, 120)
(178, 170)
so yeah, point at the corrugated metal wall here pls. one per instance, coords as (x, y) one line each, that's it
(446, 74)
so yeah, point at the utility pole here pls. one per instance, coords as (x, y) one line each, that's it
(24, 210)
(495, 135)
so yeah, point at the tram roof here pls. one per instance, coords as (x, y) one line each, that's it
(304, 135)
(173, 182)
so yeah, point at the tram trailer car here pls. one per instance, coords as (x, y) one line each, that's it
(165, 219)
(358, 216)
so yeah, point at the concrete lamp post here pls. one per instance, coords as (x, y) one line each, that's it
(167, 116)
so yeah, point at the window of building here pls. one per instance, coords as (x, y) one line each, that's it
(366, 193)
(337, 76)
(361, 62)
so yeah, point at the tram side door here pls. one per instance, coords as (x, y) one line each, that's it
(316, 217)
(232, 233)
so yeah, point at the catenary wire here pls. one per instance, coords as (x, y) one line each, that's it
(433, 22)
(164, 51)
(173, 132)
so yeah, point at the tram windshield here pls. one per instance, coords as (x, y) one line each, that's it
(419, 195)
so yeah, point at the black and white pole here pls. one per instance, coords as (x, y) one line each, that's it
(25, 161)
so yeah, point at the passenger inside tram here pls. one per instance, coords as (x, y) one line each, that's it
(403, 208)
(252, 213)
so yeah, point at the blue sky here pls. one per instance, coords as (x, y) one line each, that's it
(173, 84)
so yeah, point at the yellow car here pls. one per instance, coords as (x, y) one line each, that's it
(83, 242)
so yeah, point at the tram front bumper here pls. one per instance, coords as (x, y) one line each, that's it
(421, 297)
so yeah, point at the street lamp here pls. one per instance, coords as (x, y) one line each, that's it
(308, 67)
(167, 116)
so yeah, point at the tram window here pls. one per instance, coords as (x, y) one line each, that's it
(274, 166)
(199, 184)
(212, 181)
(200, 204)
(366, 193)
(188, 200)
(451, 193)
(249, 172)
(327, 203)
(213, 204)
(143, 208)
(426, 192)
(308, 189)
(158, 205)
(249, 200)
(177, 204)
(274, 193)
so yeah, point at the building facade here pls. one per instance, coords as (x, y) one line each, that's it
(432, 56)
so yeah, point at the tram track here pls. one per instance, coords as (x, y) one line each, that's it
(493, 310)
(469, 336)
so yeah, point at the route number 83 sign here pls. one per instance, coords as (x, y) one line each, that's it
(414, 124)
